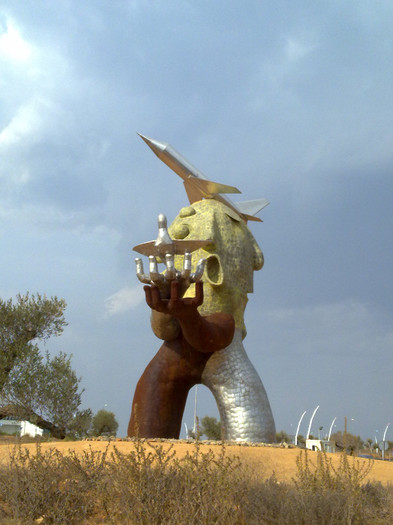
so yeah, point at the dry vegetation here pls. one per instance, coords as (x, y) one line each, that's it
(152, 484)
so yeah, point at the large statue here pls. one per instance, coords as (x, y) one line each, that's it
(200, 317)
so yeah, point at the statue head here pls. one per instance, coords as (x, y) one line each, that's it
(230, 260)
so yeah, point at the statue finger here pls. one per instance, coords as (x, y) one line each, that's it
(148, 296)
(186, 272)
(197, 275)
(155, 276)
(175, 291)
(140, 272)
(156, 300)
(170, 272)
(198, 293)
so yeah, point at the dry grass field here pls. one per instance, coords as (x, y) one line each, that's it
(263, 461)
(183, 483)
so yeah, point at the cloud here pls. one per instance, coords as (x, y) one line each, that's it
(24, 123)
(297, 49)
(12, 45)
(332, 335)
(125, 299)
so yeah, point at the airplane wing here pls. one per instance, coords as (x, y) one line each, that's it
(197, 188)
(251, 218)
(193, 193)
(183, 245)
(177, 247)
(146, 248)
(209, 187)
(251, 207)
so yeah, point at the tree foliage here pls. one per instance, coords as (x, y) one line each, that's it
(347, 441)
(210, 427)
(104, 422)
(29, 317)
(282, 437)
(81, 423)
(42, 389)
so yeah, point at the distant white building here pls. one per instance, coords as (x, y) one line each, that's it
(323, 445)
(21, 428)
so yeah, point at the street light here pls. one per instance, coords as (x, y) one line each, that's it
(309, 426)
(383, 441)
(298, 426)
(331, 428)
(384, 434)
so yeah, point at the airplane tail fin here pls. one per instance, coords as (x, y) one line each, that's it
(208, 187)
(198, 189)
(251, 218)
(250, 208)
(193, 194)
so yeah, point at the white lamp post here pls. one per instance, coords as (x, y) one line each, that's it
(298, 426)
(383, 441)
(331, 428)
(309, 426)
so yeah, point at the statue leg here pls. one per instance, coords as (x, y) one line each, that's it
(161, 393)
(240, 395)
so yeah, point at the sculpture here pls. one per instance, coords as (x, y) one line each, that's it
(203, 329)
(200, 316)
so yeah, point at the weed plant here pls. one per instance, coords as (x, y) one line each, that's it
(154, 487)
(151, 485)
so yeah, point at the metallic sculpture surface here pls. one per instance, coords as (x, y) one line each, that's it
(202, 329)
(189, 341)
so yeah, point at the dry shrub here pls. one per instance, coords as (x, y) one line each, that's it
(49, 487)
(155, 487)
(323, 476)
(150, 485)
(325, 494)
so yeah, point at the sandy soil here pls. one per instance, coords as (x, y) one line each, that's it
(262, 460)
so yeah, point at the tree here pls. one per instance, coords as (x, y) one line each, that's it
(283, 437)
(211, 428)
(347, 440)
(81, 423)
(104, 422)
(28, 318)
(43, 390)
(369, 443)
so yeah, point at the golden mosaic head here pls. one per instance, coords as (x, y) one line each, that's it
(231, 259)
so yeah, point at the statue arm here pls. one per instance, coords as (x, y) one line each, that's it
(164, 326)
(205, 334)
(208, 334)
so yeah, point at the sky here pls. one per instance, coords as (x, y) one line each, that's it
(290, 101)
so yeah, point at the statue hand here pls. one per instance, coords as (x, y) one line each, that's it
(175, 305)
(163, 280)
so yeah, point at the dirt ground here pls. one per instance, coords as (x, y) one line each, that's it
(263, 460)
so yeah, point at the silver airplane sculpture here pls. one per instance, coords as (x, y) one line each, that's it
(165, 245)
(198, 186)
(165, 248)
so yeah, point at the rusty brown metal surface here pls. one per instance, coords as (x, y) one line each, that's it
(161, 392)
